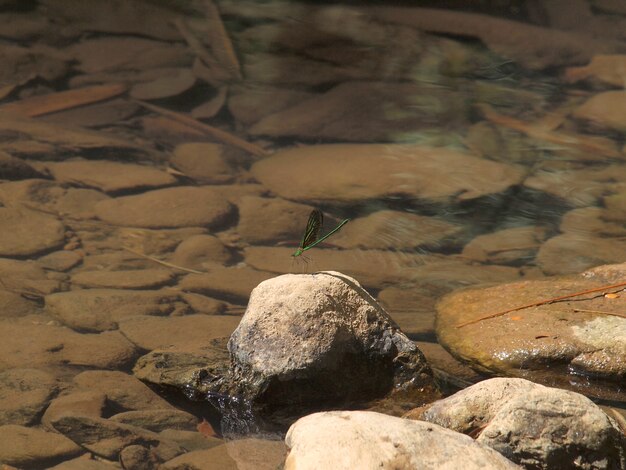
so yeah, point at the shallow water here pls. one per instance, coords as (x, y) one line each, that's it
(467, 148)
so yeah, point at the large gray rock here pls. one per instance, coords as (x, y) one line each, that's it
(321, 337)
(366, 440)
(535, 426)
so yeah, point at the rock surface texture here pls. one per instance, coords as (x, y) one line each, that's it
(321, 337)
(366, 440)
(535, 426)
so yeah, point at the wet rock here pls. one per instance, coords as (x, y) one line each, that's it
(248, 104)
(579, 187)
(103, 309)
(138, 457)
(570, 253)
(319, 325)
(569, 336)
(447, 369)
(345, 173)
(36, 341)
(363, 439)
(89, 403)
(287, 219)
(107, 438)
(396, 230)
(590, 221)
(60, 260)
(412, 308)
(515, 246)
(24, 394)
(165, 86)
(200, 252)
(607, 110)
(107, 54)
(204, 305)
(232, 283)
(123, 390)
(616, 207)
(533, 425)
(157, 420)
(204, 162)
(103, 114)
(49, 141)
(29, 447)
(238, 454)
(108, 176)
(26, 233)
(186, 366)
(209, 109)
(85, 462)
(177, 207)
(15, 304)
(12, 168)
(608, 69)
(191, 440)
(130, 279)
(26, 278)
(365, 112)
(153, 333)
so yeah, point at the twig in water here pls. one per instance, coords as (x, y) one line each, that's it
(164, 263)
(219, 134)
(542, 302)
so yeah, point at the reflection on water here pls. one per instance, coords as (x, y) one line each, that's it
(467, 148)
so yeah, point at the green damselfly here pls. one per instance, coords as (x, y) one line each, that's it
(312, 231)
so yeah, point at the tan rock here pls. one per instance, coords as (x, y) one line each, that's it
(349, 172)
(36, 341)
(26, 233)
(232, 283)
(571, 253)
(24, 393)
(109, 176)
(121, 389)
(516, 246)
(154, 332)
(396, 230)
(165, 86)
(103, 309)
(177, 207)
(200, 252)
(127, 279)
(248, 104)
(288, 219)
(609, 69)
(204, 162)
(60, 260)
(589, 221)
(89, 403)
(29, 447)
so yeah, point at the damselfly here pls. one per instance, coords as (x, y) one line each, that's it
(312, 231)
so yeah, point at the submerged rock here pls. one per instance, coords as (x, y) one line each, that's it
(321, 338)
(554, 342)
(366, 440)
(532, 425)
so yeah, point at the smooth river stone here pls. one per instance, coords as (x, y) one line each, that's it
(24, 394)
(33, 448)
(354, 172)
(109, 176)
(25, 233)
(168, 208)
(124, 279)
(563, 337)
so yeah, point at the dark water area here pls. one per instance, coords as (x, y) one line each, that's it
(160, 159)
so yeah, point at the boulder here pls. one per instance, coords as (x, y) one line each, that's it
(321, 338)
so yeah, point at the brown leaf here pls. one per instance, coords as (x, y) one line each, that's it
(206, 429)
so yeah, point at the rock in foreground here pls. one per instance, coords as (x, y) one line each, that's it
(534, 426)
(367, 440)
(321, 338)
